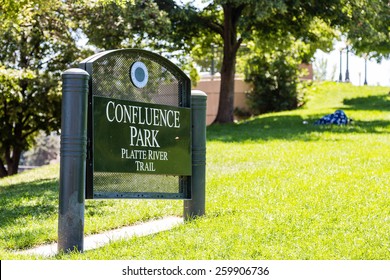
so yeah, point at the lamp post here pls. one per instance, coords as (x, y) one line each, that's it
(347, 71)
(212, 70)
(341, 76)
(365, 70)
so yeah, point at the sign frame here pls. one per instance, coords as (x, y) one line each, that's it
(184, 101)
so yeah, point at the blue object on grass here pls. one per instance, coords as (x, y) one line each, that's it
(338, 117)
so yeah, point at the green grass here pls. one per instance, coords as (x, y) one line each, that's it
(29, 211)
(276, 189)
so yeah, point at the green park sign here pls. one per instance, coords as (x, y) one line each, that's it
(139, 126)
(130, 128)
(139, 137)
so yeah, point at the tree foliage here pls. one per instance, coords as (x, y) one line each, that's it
(276, 85)
(38, 42)
(369, 28)
(227, 24)
(273, 69)
(123, 24)
(36, 46)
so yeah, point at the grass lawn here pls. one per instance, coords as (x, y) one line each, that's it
(276, 189)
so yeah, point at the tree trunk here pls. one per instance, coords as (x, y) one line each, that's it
(13, 164)
(3, 171)
(226, 92)
(228, 69)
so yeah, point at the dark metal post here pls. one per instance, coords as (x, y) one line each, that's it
(365, 71)
(196, 206)
(347, 72)
(72, 163)
(340, 76)
(212, 72)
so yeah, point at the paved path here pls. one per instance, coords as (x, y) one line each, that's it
(99, 240)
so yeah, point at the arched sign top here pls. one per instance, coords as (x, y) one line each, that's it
(159, 70)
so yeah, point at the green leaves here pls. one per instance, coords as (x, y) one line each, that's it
(36, 46)
(368, 31)
(123, 24)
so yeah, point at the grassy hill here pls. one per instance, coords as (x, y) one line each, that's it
(278, 187)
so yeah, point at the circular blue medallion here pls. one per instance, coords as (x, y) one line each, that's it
(139, 74)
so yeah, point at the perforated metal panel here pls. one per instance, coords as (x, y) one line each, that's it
(110, 77)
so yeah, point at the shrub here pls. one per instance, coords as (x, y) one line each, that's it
(276, 84)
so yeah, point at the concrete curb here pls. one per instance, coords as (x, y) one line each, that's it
(102, 239)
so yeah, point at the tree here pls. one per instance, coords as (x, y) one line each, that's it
(230, 23)
(240, 21)
(185, 22)
(226, 23)
(36, 46)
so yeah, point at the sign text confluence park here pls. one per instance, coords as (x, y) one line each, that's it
(131, 114)
(141, 137)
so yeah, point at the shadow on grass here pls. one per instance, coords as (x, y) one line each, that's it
(377, 102)
(294, 128)
(38, 199)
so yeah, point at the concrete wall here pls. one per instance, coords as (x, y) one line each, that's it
(308, 69)
(211, 88)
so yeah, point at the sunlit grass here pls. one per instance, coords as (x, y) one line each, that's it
(277, 188)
